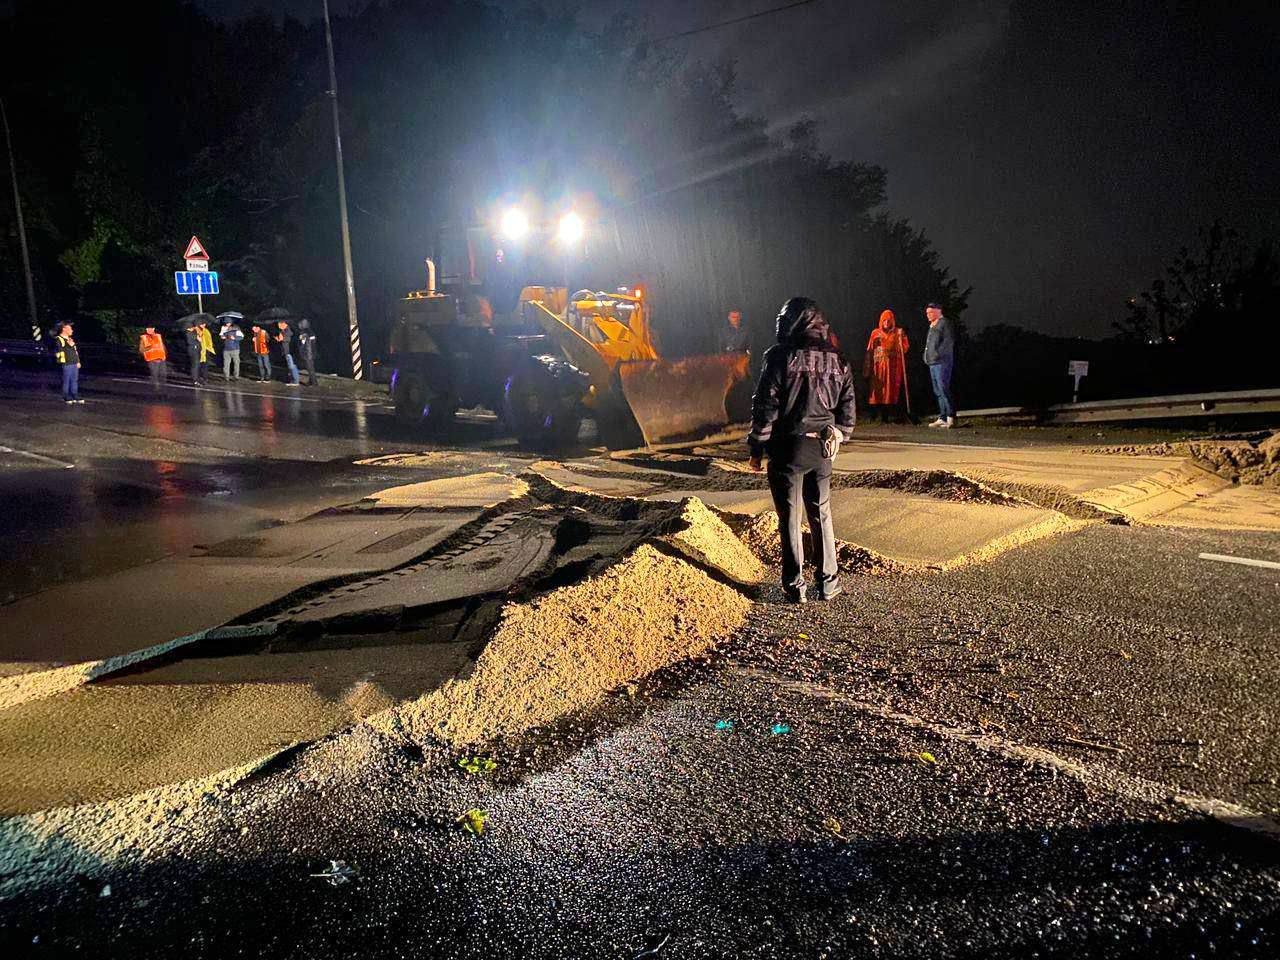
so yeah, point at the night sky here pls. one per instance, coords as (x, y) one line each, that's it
(1056, 153)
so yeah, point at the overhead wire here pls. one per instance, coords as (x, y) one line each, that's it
(730, 22)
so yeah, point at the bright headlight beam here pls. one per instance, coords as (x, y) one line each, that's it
(515, 224)
(571, 229)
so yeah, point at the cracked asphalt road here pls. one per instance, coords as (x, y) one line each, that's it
(641, 829)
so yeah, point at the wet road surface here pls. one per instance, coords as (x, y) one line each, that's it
(128, 478)
(844, 779)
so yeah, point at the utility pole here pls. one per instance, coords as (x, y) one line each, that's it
(353, 324)
(22, 227)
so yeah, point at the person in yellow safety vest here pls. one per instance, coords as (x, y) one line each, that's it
(206, 350)
(151, 346)
(68, 356)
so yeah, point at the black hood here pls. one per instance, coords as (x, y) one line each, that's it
(801, 321)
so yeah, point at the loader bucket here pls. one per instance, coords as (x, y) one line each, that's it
(681, 399)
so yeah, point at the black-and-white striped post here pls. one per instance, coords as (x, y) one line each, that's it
(357, 365)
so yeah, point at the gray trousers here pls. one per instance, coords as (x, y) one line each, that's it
(159, 370)
(230, 362)
(800, 474)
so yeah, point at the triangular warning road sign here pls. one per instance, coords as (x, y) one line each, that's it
(196, 250)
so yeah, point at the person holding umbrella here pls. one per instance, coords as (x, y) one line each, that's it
(192, 336)
(284, 342)
(307, 349)
(195, 328)
(275, 323)
(207, 352)
(231, 335)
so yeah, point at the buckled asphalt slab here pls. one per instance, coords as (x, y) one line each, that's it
(129, 614)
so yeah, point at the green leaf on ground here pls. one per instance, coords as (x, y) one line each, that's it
(478, 765)
(473, 821)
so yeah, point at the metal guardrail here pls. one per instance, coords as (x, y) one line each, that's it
(1143, 408)
(101, 356)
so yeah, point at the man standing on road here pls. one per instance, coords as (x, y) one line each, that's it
(262, 352)
(939, 354)
(68, 356)
(192, 336)
(284, 340)
(733, 338)
(231, 336)
(307, 349)
(207, 352)
(151, 346)
(802, 409)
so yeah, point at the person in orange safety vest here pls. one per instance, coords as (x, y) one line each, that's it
(151, 346)
(261, 350)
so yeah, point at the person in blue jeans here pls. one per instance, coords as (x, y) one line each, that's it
(284, 344)
(940, 355)
(68, 356)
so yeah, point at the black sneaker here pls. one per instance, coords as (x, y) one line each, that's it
(795, 595)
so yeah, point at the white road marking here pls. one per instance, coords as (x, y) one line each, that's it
(1243, 561)
(248, 393)
(38, 456)
(1099, 777)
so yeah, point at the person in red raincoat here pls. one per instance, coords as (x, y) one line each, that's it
(885, 366)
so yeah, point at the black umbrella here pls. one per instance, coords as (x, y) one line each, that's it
(191, 319)
(274, 315)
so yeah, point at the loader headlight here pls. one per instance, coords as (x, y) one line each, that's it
(571, 229)
(514, 224)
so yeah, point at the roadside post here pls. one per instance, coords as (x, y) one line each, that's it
(1077, 369)
(197, 279)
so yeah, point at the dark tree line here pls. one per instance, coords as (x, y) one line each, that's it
(135, 131)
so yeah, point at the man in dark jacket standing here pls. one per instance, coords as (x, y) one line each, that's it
(284, 347)
(803, 407)
(192, 337)
(940, 355)
(307, 349)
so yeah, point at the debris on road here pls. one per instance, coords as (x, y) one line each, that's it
(724, 726)
(472, 821)
(337, 873)
(478, 764)
(834, 827)
(654, 950)
(779, 729)
(569, 647)
(926, 757)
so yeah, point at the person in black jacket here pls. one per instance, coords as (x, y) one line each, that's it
(803, 407)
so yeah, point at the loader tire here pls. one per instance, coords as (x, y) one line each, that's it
(417, 405)
(537, 410)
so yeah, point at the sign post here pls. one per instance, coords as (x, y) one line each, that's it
(197, 258)
(1077, 369)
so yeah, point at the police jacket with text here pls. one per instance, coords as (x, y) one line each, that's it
(805, 382)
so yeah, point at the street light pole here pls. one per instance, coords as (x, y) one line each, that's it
(22, 227)
(353, 324)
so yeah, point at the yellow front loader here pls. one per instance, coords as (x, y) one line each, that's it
(608, 337)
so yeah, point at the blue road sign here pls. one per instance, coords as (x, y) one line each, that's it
(190, 283)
